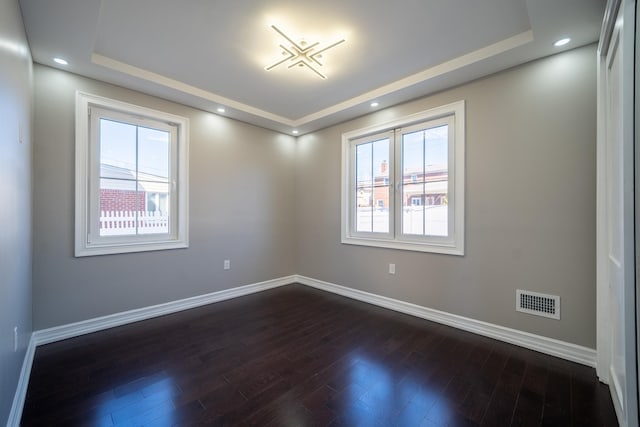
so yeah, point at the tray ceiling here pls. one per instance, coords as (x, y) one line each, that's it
(212, 54)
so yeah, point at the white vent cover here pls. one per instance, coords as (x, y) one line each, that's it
(538, 304)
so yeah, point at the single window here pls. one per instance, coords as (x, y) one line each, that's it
(415, 166)
(131, 178)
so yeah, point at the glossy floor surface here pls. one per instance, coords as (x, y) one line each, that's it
(295, 356)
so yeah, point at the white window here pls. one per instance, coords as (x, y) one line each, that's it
(131, 178)
(415, 165)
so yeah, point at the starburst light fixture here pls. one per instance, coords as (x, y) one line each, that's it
(302, 54)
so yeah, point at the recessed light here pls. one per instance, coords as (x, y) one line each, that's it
(562, 42)
(221, 110)
(60, 61)
(374, 104)
(295, 131)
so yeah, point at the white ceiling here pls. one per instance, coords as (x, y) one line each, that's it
(210, 53)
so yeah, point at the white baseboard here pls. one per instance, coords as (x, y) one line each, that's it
(23, 383)
(553, 347)
(71, 330)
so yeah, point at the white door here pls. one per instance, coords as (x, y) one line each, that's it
(615, 228)
(617, 74)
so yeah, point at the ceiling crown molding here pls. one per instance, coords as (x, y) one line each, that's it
(423, 76)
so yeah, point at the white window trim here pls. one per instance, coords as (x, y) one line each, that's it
(83, 245)
(452, 246)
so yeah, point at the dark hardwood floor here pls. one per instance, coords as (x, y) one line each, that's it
(295, 356)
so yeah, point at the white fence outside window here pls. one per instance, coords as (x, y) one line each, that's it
(120, 223)
(416, 220)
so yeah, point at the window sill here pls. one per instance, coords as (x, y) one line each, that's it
(444, 248)
(122, 248)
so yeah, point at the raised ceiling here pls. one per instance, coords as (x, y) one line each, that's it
(208, 54)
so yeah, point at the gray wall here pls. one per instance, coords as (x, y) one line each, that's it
(241, 204)
(530, 217)
(15, 198)
(530, 203)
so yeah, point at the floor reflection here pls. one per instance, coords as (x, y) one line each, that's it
(379, 395)
(145, 401)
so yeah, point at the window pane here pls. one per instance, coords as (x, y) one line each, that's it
(380, 214)
(117, 150)
(425, 182)
(437, 181)
(134, 172)
(364, 188)
(372, 186)
(153, 154)
(413, 183)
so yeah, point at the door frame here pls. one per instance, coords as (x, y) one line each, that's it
(637, 197)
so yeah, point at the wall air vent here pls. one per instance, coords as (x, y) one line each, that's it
(538, 304)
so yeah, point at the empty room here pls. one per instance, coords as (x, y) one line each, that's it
(337, 213)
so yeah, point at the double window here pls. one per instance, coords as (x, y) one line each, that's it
(131, 178)
(403, 183)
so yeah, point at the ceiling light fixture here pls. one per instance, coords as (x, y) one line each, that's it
(374, 104)
(295, 131)
(60, 61)
(221, 110)
(562, 42)
(302, 54)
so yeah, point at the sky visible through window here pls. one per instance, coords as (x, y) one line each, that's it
(430, 145)
(121, 144)
(435, 142)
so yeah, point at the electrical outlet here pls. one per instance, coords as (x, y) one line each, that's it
(227, 264)
(15, 338)
(392, 269)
